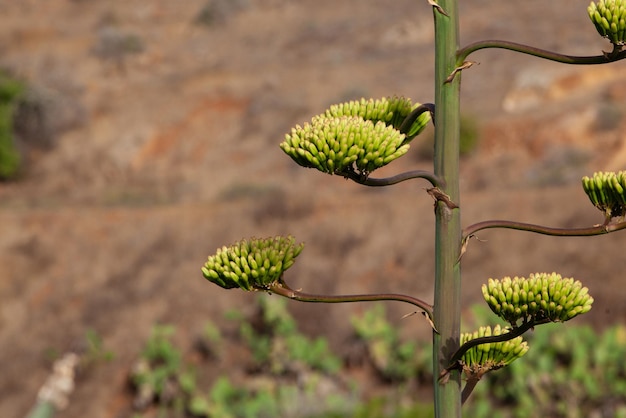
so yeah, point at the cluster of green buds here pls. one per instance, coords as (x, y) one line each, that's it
(607, 192)
(392, 111)
(357, 136)
(491, 356)
(252, 264)
(609, 18)
(539, 298)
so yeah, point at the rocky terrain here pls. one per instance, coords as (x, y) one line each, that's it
(157, 142)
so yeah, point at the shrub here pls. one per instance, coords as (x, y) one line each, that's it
(11, 91)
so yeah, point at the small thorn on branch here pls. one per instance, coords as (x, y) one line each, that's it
(463, 249)
(430, 321)
(438, 7)
(465, 65)
(465, 244)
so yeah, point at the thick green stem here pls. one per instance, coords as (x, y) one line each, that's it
(447, 303)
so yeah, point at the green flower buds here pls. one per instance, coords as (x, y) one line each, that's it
(357, 136)
(609, 18)
(251, 264)
(392, 111)
(490, 356)
(606, 190)
(337, 145)
(540, 297)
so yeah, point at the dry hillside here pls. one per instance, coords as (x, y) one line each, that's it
(161, 122)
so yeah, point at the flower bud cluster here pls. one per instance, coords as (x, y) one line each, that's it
(251, 264)
(490, 356)
(392, 111)
(358, 136)
(607, 192)
(609, 18)
(540, 297)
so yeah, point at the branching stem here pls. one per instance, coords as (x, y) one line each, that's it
(617, 54)
(388, 181)
(280, 288)
(405, 127)
(473, 380)
(545, 230)
(514, 333)
(471, 383)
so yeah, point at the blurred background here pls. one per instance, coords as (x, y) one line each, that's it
(142, 136)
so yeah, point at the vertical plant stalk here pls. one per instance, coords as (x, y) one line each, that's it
(447, 301)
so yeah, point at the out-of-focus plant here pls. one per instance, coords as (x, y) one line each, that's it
(394, 359)
(11, 89)
(571, 372)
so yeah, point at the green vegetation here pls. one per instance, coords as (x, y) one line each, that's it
(11, 91)
(279, 356)
(216, 12)
(277, 346)
(395, 360)
(95, 350)
(283, 372)
(469, 135)
(571, 372)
